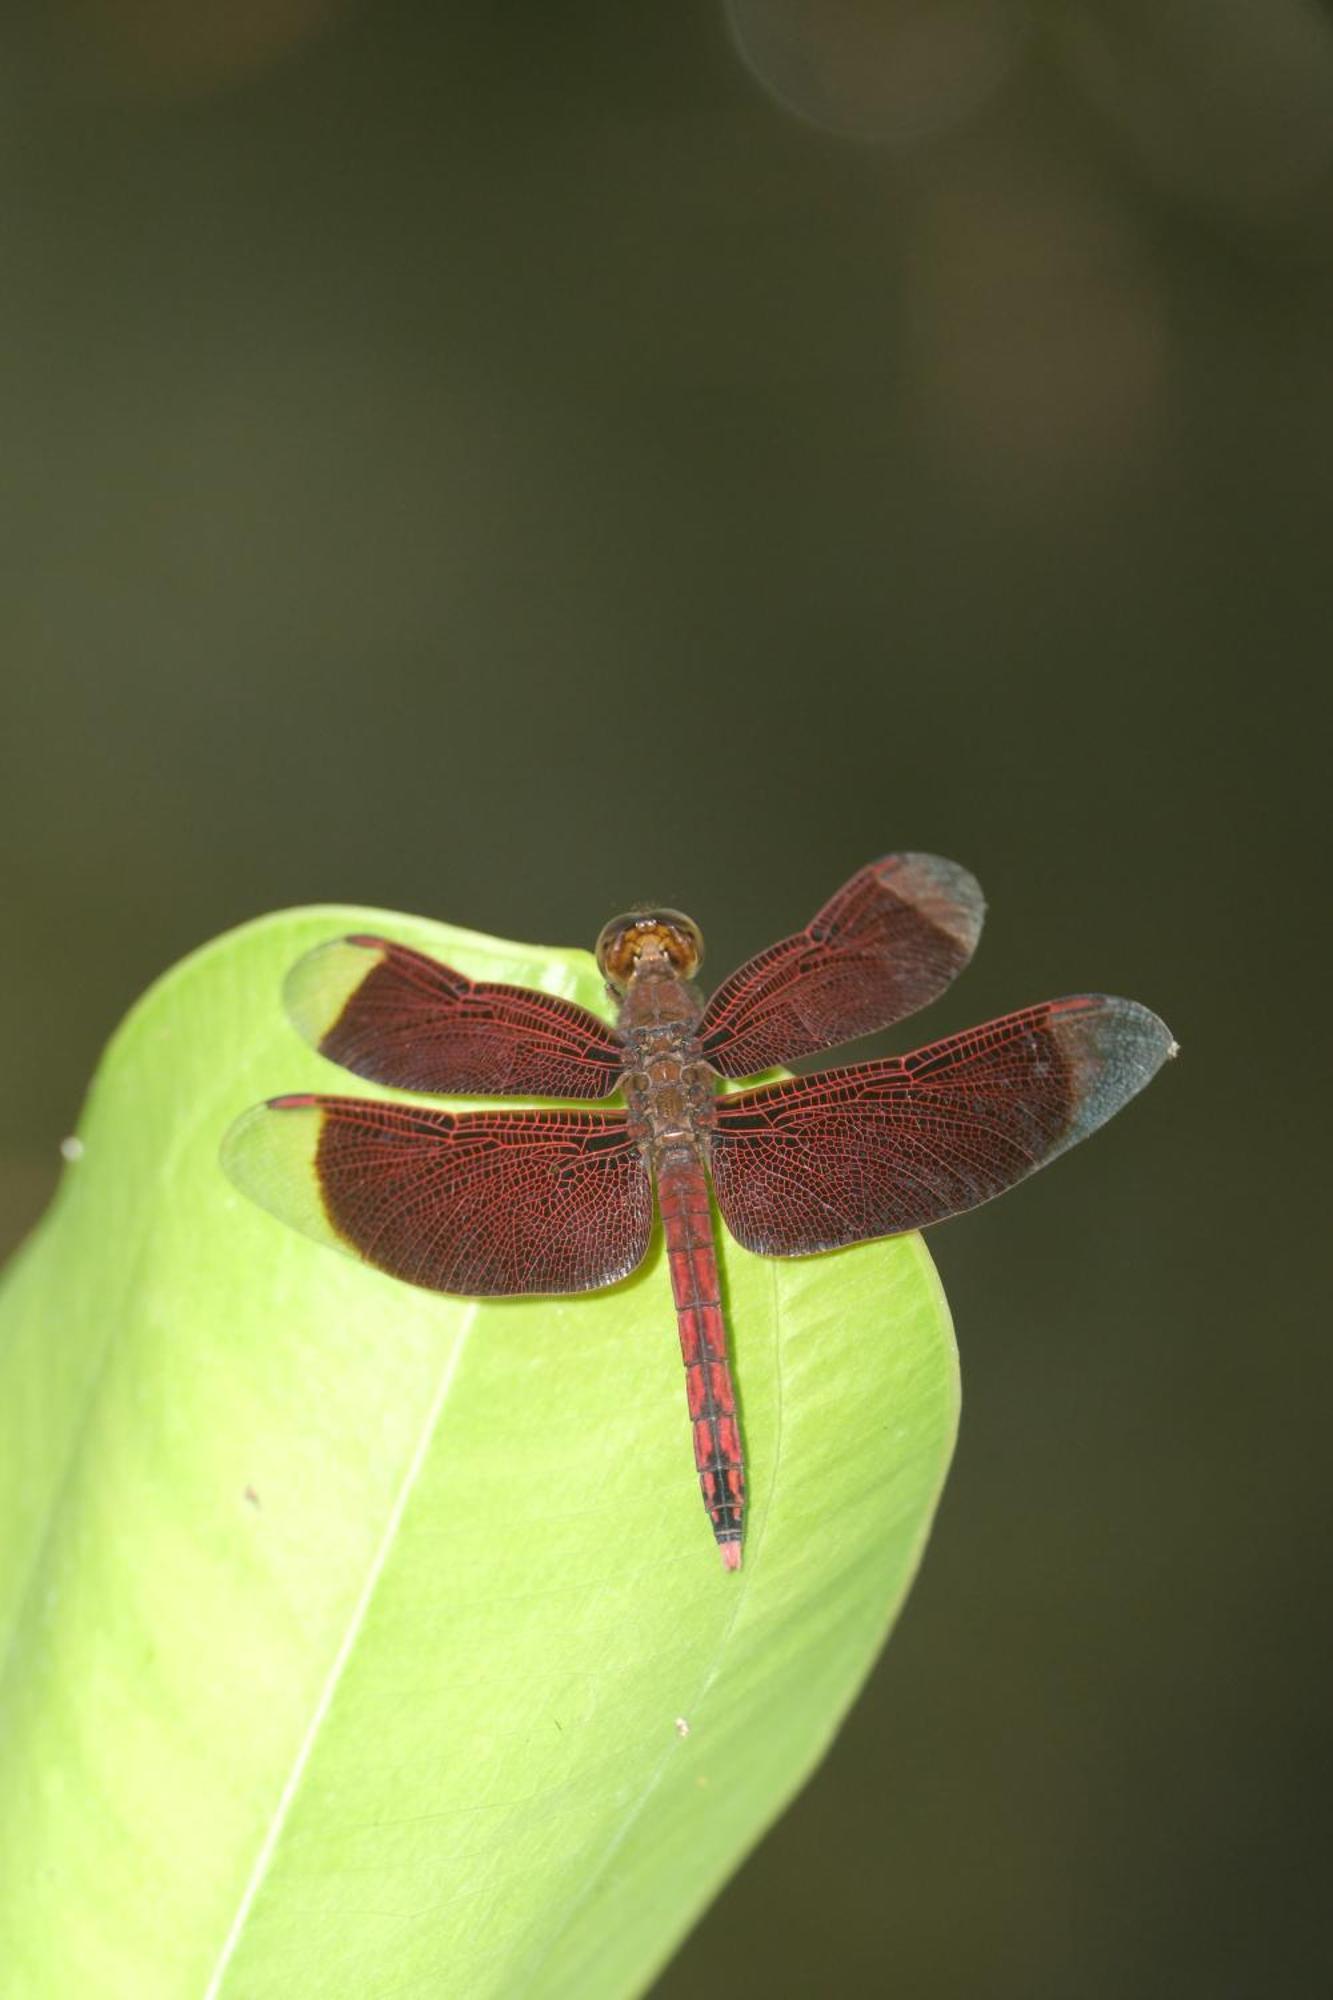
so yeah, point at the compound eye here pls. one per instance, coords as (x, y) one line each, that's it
(615, 955)
(682, 941)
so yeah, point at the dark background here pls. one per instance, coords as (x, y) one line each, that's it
(508, 462)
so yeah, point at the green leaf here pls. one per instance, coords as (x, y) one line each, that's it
(355, 1640)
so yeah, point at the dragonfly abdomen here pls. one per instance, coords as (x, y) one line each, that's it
(687, 1222)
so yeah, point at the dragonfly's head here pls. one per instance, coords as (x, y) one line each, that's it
(644, 935)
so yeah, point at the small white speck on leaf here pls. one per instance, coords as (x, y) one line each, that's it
(71, 1148)
(682, 1727)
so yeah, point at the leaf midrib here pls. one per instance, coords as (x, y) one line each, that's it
(346, 1646)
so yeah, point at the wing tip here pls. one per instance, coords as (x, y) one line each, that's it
(1125, 1045)
(949, 881)
(318, 987)
(1155, 1043)
(271, 1161)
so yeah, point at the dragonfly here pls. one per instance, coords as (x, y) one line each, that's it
(522, 1202)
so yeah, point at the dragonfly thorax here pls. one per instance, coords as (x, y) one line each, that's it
(668, 1086)
(658, 1007)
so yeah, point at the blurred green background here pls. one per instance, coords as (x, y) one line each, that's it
(508, 462)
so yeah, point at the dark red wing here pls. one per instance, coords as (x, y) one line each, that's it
(881, 1147)
(400, 1018)
(887, 943)
(486, 1204)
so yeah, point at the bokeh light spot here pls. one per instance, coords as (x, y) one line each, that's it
(180, 48)
(893, 72)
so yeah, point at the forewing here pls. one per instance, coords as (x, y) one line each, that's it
(880, 1147)
(887, 943)
(486, 1204)
(403, 1019)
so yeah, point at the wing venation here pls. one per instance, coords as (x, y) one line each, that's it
(400, 1018)
(483, 1204)
(881, 1147)
(885, 945)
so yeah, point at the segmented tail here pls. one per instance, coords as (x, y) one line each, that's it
(687, 1220)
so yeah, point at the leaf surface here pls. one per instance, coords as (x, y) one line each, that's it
(355, 1640)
